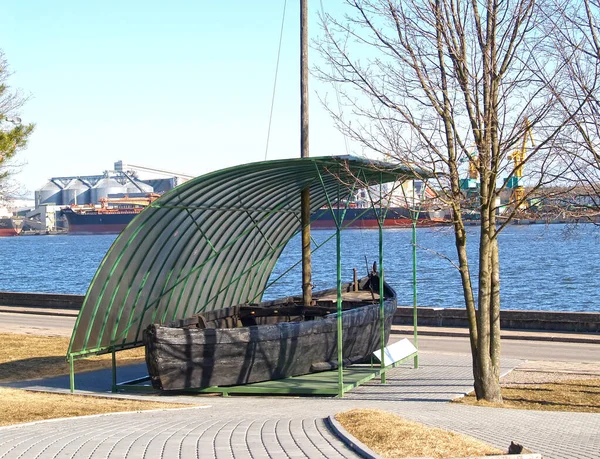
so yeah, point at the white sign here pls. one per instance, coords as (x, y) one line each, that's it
(395, 352)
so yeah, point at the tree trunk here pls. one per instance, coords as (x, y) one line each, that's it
(465, 276)
(487, 385)
(495, 346)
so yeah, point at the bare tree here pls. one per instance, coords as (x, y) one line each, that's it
(13, 134)
(445, 83)
(575, 48)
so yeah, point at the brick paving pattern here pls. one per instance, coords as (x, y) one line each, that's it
(261, 427)
(180, 434)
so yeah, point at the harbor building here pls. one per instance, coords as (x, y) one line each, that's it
(121, 187)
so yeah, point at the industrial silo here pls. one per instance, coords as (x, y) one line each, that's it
(76, 192)
(136, 187)
(50, 193)
(104, 187)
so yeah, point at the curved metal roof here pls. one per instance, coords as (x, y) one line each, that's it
(211, 242)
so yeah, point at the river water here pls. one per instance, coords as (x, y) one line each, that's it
(555, 267)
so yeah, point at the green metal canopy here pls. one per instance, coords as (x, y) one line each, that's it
(210, 243)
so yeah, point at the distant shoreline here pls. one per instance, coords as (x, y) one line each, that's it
(566, 321)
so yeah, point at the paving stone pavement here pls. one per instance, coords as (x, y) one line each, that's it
(185, 434)
(257, 427)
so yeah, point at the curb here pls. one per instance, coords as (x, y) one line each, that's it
(342, 434)
(539, 337)
(40, 312)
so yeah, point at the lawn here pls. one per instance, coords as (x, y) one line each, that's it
(391, 436)
(25, 357)
(562, 395)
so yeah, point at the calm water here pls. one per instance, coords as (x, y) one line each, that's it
(548, 268)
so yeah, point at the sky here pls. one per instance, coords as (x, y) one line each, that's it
(182, 86)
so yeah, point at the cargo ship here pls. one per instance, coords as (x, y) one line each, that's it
(9, 226)
(111, 216)
(395, 217)
(114, 214)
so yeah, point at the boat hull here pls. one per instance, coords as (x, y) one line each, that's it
(96, 222)
(189, 358)
(395, 217)
(8, 227)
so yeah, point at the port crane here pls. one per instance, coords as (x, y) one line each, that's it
(472, 182)
(518, 158)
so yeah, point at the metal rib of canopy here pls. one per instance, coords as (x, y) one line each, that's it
(210, 243)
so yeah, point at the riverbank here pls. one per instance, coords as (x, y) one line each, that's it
(579, 322)
(445, 322)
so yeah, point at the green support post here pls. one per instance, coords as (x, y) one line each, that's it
(71, 373)
(414, 256)
(340, 353)
(114, 372)
(381, 298)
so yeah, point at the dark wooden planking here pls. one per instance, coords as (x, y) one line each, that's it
(192, 357)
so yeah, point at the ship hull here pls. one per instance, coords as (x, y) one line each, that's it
(8, 227)
(396, 217)
(97, 223)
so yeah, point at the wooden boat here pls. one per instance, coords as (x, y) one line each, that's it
(271, 340)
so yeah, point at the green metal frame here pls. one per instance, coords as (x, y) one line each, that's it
(325, 383)
(192, 250)
(414, 213)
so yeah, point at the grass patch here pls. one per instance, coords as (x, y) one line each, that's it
(25, 357)
(392, 436)
(20, 406)
(565, 395)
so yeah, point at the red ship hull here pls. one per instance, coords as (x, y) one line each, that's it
(8, 227)
(396, 217)
(8, 232)
(113, 222)
(370, 224)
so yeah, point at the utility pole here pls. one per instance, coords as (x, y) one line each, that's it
(305, 196)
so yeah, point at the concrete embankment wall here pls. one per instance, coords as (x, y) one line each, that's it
(588, 322)
(41, 300)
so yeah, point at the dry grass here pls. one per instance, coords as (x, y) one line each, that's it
(392, 436)
(20, 406)
(25, 357)
(564, 395)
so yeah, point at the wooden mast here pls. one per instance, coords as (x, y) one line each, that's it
(305, 196)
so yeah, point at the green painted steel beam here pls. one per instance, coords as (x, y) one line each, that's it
(322, 383)
(209, 243)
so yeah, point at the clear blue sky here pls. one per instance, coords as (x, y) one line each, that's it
(181, 85)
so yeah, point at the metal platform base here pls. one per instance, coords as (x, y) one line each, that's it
(324, 383)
